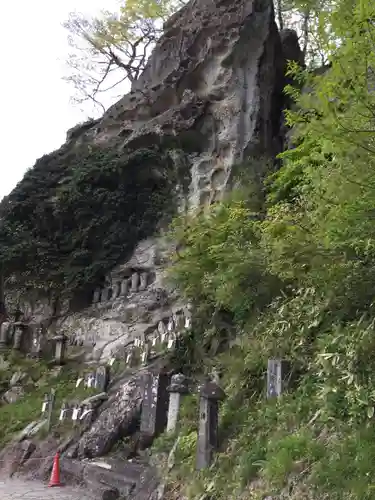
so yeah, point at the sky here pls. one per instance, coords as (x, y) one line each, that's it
(36, 111)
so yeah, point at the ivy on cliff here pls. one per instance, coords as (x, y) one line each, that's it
(78, 212)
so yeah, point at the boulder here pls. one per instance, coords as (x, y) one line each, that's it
(118, 418)
(14, 456)
(17, 378)
(14, 394)
(211, 88)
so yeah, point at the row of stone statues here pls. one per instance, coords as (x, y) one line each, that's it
(136, 283)
(20, 336)
(78, 413)
(98, 379)
(32, 340)
(165, 335)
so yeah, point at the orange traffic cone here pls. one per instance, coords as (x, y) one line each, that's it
(55, 476)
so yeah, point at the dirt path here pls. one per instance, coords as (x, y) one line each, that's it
(19, 490)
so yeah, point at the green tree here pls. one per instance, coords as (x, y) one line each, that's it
(110, 51)
(219, 260)
(321, 227)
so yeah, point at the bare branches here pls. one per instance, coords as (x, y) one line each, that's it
(112, 51)
(101, 59)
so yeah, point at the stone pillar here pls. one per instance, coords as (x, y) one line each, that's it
(45, 404)
(171, 341)
(90, 381)
(104, 295)
(146, 353)
(102, 378)
(86, 416)
(154, 407)
(278, 371)
(143, 281)
(130, 357)
(188, 322)
(96, 296)
(60, 348)
(36, 348)
(179, 321)
(63, 411)
(134, 283)
(177, 388)
(4, 329)
(76, 413)
(124, 289)
(171, 325)
(18, 334)
(210, 395)
(115, 291)
(162, 331)
(155, 338)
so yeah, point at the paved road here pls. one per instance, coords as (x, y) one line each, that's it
(18, 490)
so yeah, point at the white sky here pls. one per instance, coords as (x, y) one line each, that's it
(35, 107)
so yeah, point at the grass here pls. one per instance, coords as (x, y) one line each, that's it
(269, 447)
(14, 417)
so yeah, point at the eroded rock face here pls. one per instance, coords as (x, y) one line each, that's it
(109, 324)
(118, 419)
(212, 87)
(211, 95)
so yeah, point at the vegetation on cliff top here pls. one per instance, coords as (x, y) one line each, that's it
(80, 211)
(312, 247)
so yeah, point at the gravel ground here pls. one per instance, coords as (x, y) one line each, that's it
(19, 490)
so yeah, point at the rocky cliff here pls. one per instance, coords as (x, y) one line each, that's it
(210, 98)
(81, 236)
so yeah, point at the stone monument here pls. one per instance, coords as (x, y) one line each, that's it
(176, 389)
(154, 407)
(4, 334)
(102, 378)
(134, 283)
(143, 281)
(278, 371)
(18, 334)
(210, 395)
(60, 348)
(96, 296)
(124, 287)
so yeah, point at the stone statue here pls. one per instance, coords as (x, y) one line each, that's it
(161, 327)
(143, 281)
(104, 295)
(96, 296)
(115, 290)
(170, 326)
(135, 283)
(124, 287)
(4, 332)
(18, 334)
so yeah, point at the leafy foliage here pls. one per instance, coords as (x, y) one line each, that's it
(77, 213)
(314, 238)
(219, 258)
(111, 51)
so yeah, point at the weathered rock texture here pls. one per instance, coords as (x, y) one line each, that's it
(211, 95)
(212, 86)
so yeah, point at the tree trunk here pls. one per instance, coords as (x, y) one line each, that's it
(279, 14)
(305, 31)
